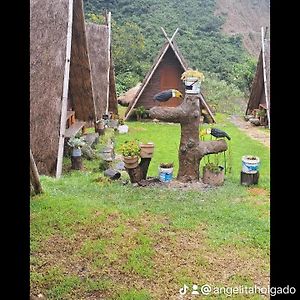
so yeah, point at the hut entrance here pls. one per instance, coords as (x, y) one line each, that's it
(170, 79)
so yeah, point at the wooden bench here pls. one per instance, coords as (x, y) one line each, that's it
(70, 118)
(74, 129)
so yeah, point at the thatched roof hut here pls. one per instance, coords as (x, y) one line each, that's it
(99, 49)
(126, 98)
(59, 77)
(164, 74)
(260, 90)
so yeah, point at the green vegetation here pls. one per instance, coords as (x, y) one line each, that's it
(94, 238)
(137, 39)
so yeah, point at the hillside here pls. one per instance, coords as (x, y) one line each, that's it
(245, 17)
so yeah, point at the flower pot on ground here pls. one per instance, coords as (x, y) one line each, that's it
(76, 143)
(213, 174)
(147, 150)
(166, 172)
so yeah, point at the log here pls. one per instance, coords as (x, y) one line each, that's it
(34, 176)
(140, 172)
(249, 179)
(76, 163)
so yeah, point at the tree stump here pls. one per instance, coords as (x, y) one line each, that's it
(249, 179)
(191, 149)
(76, 163)
(140, 172)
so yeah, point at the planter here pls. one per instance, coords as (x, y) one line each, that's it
(131, 162)
(76, 152)
(250, 164)
(192, 85)
(147, 150)
(213, 178)
(165, 174)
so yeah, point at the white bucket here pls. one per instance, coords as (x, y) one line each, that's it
(250, 166)
(192, 85)
(165, 174)
(76, 152)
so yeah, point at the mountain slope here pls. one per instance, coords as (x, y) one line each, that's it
(245, 17)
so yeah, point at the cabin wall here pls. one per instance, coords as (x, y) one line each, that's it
(161, 80)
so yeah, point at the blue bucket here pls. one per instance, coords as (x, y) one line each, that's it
(165, 175)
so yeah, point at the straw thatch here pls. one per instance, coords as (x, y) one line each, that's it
(259, 85)
(97, 37)
(126, 98)
(80, 89)
(167, 68)
(54, 75)
(48, 28)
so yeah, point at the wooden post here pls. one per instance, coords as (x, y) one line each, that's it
(34, 176)
(76, 163)
(140, 172)
(249, 179)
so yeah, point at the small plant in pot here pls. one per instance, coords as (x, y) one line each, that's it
(213, 174)
(130, 151)
(147, 149)
(76, 143)
(166, 171)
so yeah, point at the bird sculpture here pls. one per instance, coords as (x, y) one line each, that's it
(166, 95)
(218, 133)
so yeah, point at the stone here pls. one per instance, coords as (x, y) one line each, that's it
(92, 139)
(112, 174)
(88, 152)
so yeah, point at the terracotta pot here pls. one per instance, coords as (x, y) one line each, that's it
(147, 150)
(213, 178)
(131, 162)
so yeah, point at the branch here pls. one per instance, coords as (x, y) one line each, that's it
(168, 114)
(211, 147)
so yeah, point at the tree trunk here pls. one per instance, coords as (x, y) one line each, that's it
(191, 149)
(140, 172)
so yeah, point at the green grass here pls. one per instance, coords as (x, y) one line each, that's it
(137, 243)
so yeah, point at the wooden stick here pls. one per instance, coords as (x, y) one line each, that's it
(34, 176)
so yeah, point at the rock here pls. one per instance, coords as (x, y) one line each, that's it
(120, 165)
(112, 174)
(123, 129)
(92, 139)
(88, 152)
(254, 121)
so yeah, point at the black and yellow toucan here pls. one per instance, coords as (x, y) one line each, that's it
(166, 95)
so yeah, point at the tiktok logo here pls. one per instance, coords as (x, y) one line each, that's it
(183, 290)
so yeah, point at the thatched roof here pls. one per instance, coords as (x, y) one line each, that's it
(126, 98)
(169, 44)
(260, 90)
(80, 89)
(59, 68)
(97, 36)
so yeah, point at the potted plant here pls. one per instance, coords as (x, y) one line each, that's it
(213, 174)
(76, 143)
(130, 151)
(192, 80)
(166, 171)
(250, 164)
(147, 150)
(140, 112)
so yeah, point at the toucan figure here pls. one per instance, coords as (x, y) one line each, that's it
(218, 133)
(166, 95)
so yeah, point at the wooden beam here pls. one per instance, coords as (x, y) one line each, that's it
(172, 46)
(64, 103)
(34, 176)
(265, 76)
(149, 77)
(108, 59)
(207, 107)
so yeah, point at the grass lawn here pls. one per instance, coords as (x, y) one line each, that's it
(94, 239)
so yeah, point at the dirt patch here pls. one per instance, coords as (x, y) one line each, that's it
(178, 257)
(251, 130)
